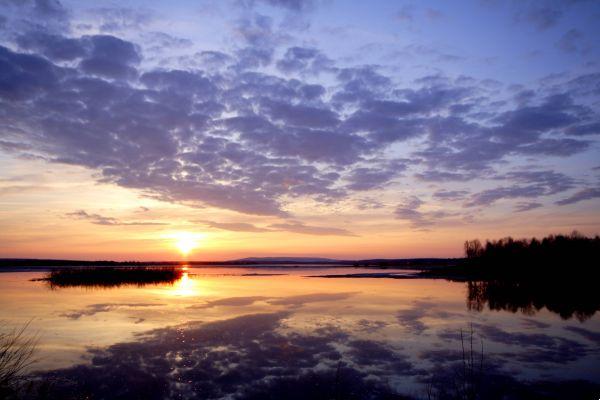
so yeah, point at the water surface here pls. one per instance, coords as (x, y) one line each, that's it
(293, 333)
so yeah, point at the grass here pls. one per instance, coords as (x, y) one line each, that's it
(17, 349)
(109, 277)
(466, 379)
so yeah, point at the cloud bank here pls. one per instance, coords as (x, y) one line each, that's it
(266, 123)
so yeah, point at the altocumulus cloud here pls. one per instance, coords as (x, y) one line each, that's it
(255, 129)
(103, 220)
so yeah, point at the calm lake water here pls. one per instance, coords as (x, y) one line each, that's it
(287, 333)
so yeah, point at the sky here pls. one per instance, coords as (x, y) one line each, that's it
(214, 130)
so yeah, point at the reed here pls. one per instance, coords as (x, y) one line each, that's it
(108, 277)
(17, 350)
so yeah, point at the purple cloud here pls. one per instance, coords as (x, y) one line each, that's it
(234, 226)
(584, 194)
(526, 206)
(98, 219)
(242, 135)
(298, 227)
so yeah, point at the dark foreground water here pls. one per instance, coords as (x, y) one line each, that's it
(280, 334)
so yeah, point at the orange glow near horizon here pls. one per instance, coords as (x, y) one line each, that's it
(147, 229)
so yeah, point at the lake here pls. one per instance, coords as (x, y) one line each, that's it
(256, 333)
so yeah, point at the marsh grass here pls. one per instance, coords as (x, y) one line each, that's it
(17, 350)
(110, 277)
(464, 382)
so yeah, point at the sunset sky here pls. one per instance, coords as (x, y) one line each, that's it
(347, 129)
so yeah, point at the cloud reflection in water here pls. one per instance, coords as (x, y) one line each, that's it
(255, 357)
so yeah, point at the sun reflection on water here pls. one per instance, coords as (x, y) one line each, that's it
(185, 286)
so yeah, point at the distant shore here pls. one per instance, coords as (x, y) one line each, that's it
(7, 264)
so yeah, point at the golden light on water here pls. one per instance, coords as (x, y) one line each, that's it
(185, 286)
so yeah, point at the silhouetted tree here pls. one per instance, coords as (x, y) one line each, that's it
(473, 248)
(527, 275)
(521, 257)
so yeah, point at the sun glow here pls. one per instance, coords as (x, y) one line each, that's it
(186, 242)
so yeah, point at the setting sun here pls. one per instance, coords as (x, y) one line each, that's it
(185, 242)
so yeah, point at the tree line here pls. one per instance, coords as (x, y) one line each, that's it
(573, 252)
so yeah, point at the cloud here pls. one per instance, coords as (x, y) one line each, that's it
(531, 323)
(457, 146)
(526, 206)
(116, 19)
(416, 51)
(298, 227)
(542, 15)
(260, 38)
(159, 42)
(102, 220)
(290, 5)
(450, 195)
(55, 47)
(531, 184)
(306, 363)
(214, 59)
(296, 5)
(443, 176)
(406, 13)
(375, 176)
(581, 195)
(94, 309)
(300, 116)
(250, 346)
(300, 300)
(234, 226)
(369, 326)
(570, 42)
(48, 15)
(542, 348)
(230, 134)
(304, 60)
(110, 57)
(412, 318)
(433, 14)
(231, 302)
(291, 301)
(586, 333)
(408, 211)
(16, 189)
(585, 129)
(367, 203)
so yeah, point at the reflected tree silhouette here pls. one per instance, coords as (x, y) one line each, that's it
(566, 298)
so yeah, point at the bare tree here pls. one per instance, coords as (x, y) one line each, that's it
(473, 248)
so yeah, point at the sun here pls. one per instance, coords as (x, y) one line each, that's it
(186, 245)
(185, 242)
